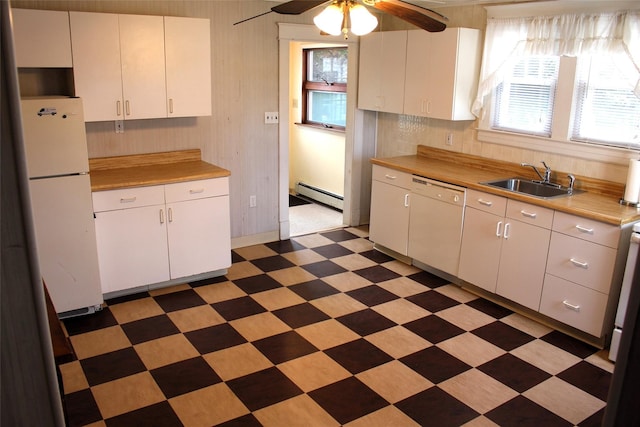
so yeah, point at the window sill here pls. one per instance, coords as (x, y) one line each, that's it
(581, 150)
(321, 127)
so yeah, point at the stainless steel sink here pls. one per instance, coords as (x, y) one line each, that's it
(531, 188)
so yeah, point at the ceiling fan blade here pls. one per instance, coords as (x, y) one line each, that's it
(296, 7)
(421, 17)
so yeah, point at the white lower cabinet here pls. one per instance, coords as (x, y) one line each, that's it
(149, 235)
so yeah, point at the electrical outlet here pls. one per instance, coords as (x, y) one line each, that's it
(252, 201)
(449, 140)
(119, 126)
(271, 117)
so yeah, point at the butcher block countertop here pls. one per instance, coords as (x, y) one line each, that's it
(111, 173)
(599, 201)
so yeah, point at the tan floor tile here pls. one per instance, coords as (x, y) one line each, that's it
(478, 390)
(299, 411)
(360, 230)
(347, 281)
(545, 356)
(208, 406)
(312, 240)
(313, 371)
(218, 292)
(526, 325)
(358, 245)
(99, 342)
(275, 299)
(565, 400)
(480, 421)
(338, 305)
(237, 361)
(165, 351)
(240, 270)
(259, 326)
(304, 257)
(169, 289)
(353, 262)
(327, 334)
(466, 317)
(385, 417)
(135, 310)
(291, 276)
(601, 360)
(255, 252)
(401, 268)
(191, 319)
(127, 394)
(100, 423)
(394, 381)
(471, 349)
(403, 287)
(457, 293)
(73, 377)
(398, 341)
(401, 311)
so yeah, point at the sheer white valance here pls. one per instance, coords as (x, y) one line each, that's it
(570, 34)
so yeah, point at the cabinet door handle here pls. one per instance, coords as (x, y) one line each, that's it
(128, 199)
(170, 214)
(171, 105)
(196, 191)
(406, 200)
(127, 108)
(577, 263)
(584, 229)
(499, 229)
(485, 202)
(573, 307)
(118, 108)
(507, 228)
(161, 216)
(528, 214)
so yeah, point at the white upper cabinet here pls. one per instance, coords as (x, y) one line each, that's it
(42, 38)
(381, 71)
(188, 66)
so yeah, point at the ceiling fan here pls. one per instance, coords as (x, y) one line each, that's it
(347, 11)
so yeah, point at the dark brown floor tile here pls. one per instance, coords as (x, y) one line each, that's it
(179, 300)
(376, 256)
(594, 420)
(259, 283)
(358, 356)
(332, 251)
(263, 388)
(433, 301)
(235, 257)
(490, 308)
(300, 315)
(522, 412)
(111, 366)
(185, 376)
(502, 335)
(245, 421)
(366, 322)
(377, 274)
(205, 282)
(434, 407)
(272, 263)
(435, 364)
(570, 344)
(428, 279)
(514, 372)
(433, 328)
(158, 415)
(237, 308)
(285, 246)
(82, 408)
(214, 338)
(314, 289)
(91, 322)
(348, 400)
(589, 378)
(283, 347)
(149, 329)
(372, 295)
(339, 235)
(323, 268)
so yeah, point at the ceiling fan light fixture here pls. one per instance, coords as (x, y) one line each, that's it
(362, 21)
(330, 20)
(358, 19)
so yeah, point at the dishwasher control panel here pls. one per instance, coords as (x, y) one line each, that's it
(438, 190)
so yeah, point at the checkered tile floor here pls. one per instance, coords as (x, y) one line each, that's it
(321, 330)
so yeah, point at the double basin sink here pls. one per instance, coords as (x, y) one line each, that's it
(530, 187)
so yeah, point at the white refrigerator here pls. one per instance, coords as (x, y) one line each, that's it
(60, 189)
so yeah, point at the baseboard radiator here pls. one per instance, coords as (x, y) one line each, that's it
(319, 195)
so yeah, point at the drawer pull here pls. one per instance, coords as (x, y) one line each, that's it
(570, 306)
(584, 229)
(485, 202)
(390, 176)
(128, 199)
(528, 214)
(196, 191)
(581, 264)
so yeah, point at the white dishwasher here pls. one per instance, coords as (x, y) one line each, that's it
(435, 223)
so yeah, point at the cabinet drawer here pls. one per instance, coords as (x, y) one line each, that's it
(200, 189)
(531, 214)
(486, 202)
(573, 304)
(392, 176)
(128, 198)
(587, 229)
(588, 264)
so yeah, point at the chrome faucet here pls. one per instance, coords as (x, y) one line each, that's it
(572, 181)
(546, 179)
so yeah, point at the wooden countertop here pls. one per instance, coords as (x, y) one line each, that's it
(600, 201)
(110, 173)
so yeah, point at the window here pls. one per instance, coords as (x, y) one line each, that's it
(324, 87)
